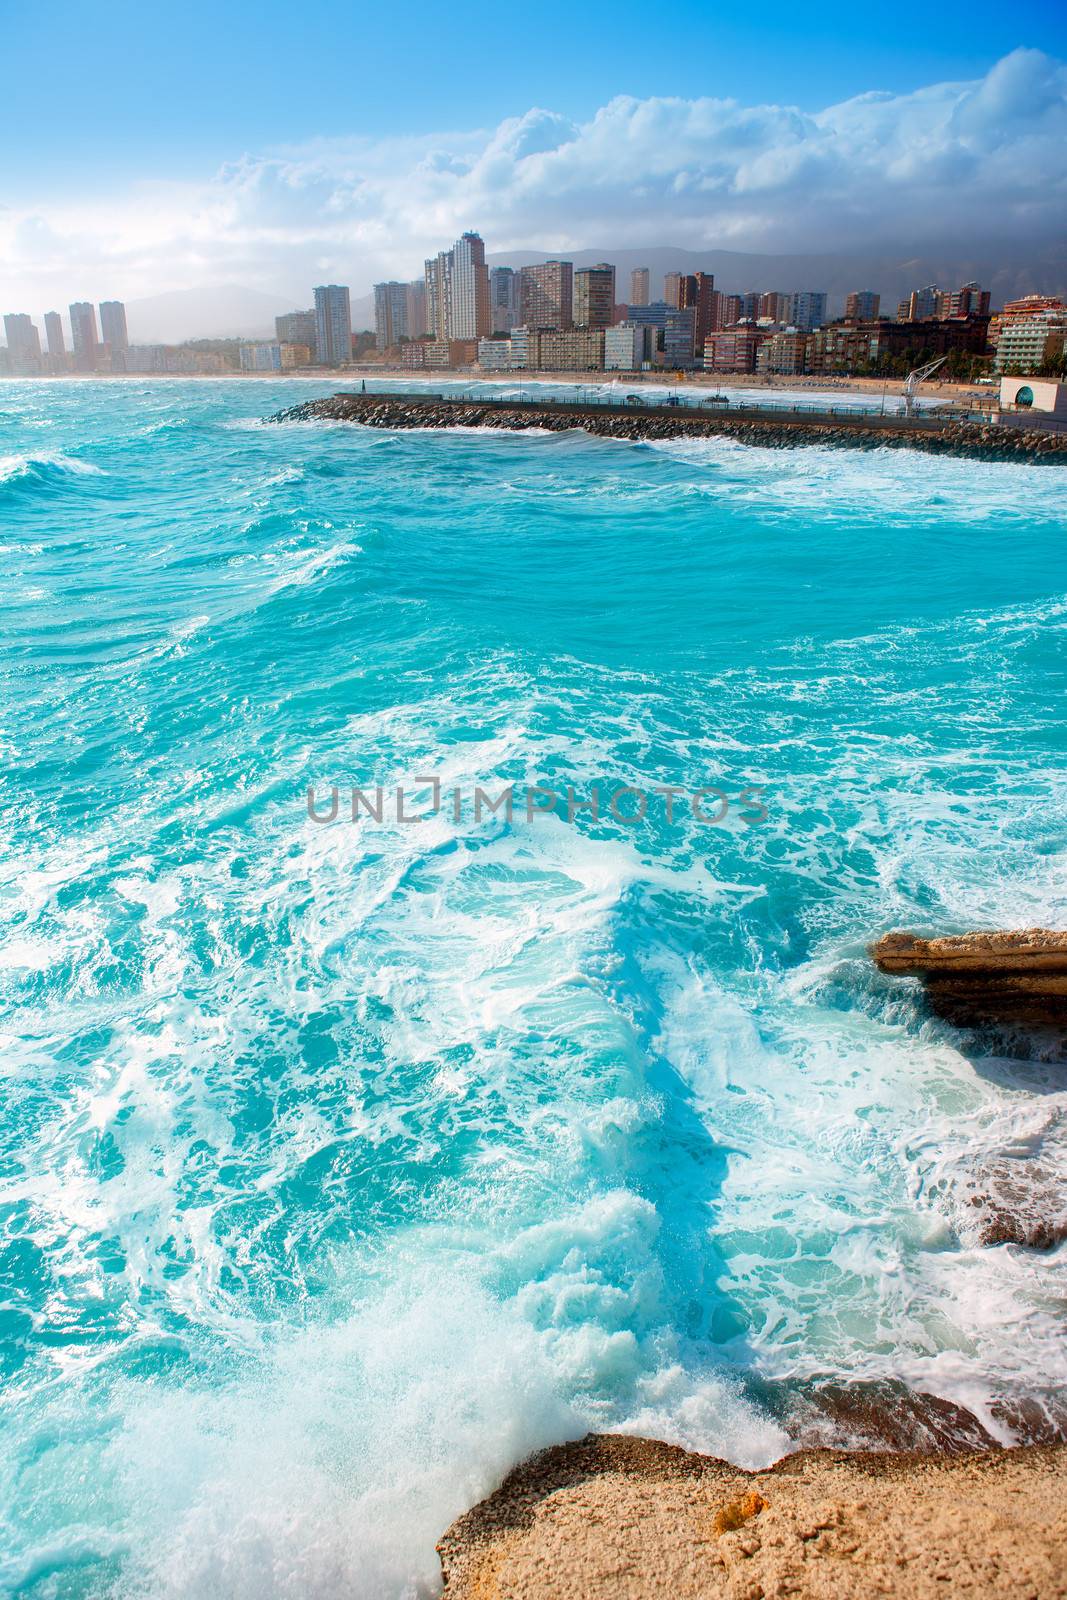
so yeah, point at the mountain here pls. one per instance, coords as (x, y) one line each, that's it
(892, 277)
(225, 311)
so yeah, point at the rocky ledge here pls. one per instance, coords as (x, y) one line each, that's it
(614, 1518)
(975, 441)
(992, 977)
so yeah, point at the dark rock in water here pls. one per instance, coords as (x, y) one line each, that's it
(874, 1415)
(985, 977)
(1021, 1202)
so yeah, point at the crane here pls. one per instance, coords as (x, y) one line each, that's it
(913, 380)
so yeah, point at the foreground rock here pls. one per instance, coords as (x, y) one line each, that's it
(781, 430)
(612, 1518)
(985, 976)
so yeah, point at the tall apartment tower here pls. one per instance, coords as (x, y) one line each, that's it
(23, 342)
(505, 299)
(416, 308)
(390, 314)
(640, 286)
(594, 296)
(53, 332)
(862, 305)
(470, 289)
(675, 286)
(457, 291)
(776, 307)
(333, 324)
(296, 327)
(548, 295)
(83, 334)
(809, 309)
(113, 324)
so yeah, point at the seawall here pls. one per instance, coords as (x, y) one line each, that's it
(782, 429)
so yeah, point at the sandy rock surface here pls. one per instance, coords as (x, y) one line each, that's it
(612, 1518)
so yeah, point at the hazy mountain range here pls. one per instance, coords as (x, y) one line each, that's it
(230, 311)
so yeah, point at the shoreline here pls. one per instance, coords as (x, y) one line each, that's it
(616, 1517)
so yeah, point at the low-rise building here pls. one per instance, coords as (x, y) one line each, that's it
(566, 349)
(1026, 343)
(265, 357)
(495, 355)
(785, 351)
(733, 349)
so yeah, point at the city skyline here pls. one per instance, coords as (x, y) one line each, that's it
(967, 164)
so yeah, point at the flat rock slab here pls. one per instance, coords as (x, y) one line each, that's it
(1019, 975)
(611, 1518)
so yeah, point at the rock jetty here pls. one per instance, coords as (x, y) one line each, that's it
(776, 429)
(985, 976)
(614, 1518)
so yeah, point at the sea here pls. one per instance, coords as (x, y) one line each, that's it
(346, 1159)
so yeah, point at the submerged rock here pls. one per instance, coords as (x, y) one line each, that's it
(976, 977)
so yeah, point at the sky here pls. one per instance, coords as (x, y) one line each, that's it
(147, 148)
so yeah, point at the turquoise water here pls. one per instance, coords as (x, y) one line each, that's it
(341, 1165)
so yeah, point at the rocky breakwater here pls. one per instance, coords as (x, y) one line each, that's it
(611, 1518)
(975, 441)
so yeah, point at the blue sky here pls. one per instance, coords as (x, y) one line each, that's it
(127, 89)
(146, 148)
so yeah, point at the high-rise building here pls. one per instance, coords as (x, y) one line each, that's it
(23, 343)
(470, 288)
(333, 324)
(548, 295)
(920, 306)
(775, 307)
(457, 291)
(505, 299)
(594, 296)
(296, 327)
(674, 289)
(416, 309)
(702, 298)
(83, 334)
(971, 300)
(640, 286)
(862, 305)
(732, 310)
(53, 329)
(750, 304)
(113, 325)
(809, 309)
(390, 314)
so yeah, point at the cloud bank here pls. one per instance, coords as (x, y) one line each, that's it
(951, 164)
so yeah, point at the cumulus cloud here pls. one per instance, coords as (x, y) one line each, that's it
(950, 164)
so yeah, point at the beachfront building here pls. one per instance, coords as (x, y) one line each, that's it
(83, 334)
(640, 286)
(674, 328)
(261, 357)
(53, 332)
(883, 346)
(296, 327)
(1026, 343)
(565, 349)
(390, 314)
(594, 296)
(624, 347)
(495, 354)
(113, 325)
(505, 299)
(808, 309)
(733, 349)
(333, 324)
(862, 305)
(547, 293)
(783, 352)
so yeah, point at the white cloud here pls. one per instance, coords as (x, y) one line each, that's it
(949, 165)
